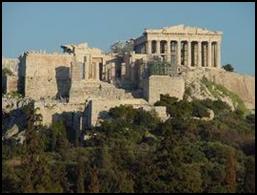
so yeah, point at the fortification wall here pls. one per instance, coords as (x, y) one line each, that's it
(47, 74)
(163, 84)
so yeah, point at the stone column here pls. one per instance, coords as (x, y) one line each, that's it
(168, 51)
(112, 71)
(199, 49)
(179, 52)
(189, 54)
(209, 54)
(158, 47)
(218, 55)
(86, 67)
(123, 70)
(149, 47)
(75, 70)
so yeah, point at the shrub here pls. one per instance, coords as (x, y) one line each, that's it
(7, 72)
(199, 110)
(228, 67)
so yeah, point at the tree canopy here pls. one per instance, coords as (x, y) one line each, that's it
(134, 151)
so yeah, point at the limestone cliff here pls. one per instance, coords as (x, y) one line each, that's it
(241, 85)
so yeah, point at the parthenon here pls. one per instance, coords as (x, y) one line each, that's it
(182, 45)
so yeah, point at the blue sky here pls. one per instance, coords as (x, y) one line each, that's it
(46, 26)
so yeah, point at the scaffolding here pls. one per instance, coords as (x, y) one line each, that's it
(158, 67)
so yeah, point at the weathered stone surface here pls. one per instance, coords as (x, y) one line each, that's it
(10, 103)
(11, 64)
(242, 85)
(52, 111)
(157, 85)
(46, 74)
(20, 137)
(11, 132)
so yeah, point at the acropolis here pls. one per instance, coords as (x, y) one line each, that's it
(84, 82)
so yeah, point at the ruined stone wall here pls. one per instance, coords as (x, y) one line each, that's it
(72, 116)
(11, 84)
(11, 64)
(157, 85)
(98, 108)
(52, 111)
(47, 74)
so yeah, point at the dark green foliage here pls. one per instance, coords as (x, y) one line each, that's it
(7, 72)
(249, 180)
(133, 151)
(228, 67)
(199, 110)
(183, 108)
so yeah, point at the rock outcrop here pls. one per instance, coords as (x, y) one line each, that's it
(241, 85)
(14, 117)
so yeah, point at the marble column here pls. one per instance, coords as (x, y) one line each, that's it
(113, 71)
(199, 49)
(123, 70)
(168, 51)
(218, 55)
(189, 54)
(209, 54)
(179, 52)
(158, 47)
(149, 47)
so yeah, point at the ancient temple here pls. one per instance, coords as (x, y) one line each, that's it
(182, 45)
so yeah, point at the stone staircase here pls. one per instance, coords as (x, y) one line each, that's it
(82, 91)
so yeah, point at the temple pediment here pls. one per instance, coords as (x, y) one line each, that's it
(183, 29)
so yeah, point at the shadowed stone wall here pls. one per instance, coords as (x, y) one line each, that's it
(46, 75)
(157, 85)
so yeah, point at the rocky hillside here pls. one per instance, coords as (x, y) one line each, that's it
(14, 119)
(219, 84)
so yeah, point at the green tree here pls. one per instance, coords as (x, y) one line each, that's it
(36, 170)
(228, 67)
(230, 179)
(80, 174)
(94, 183)
(249, 180)
(59, 141)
